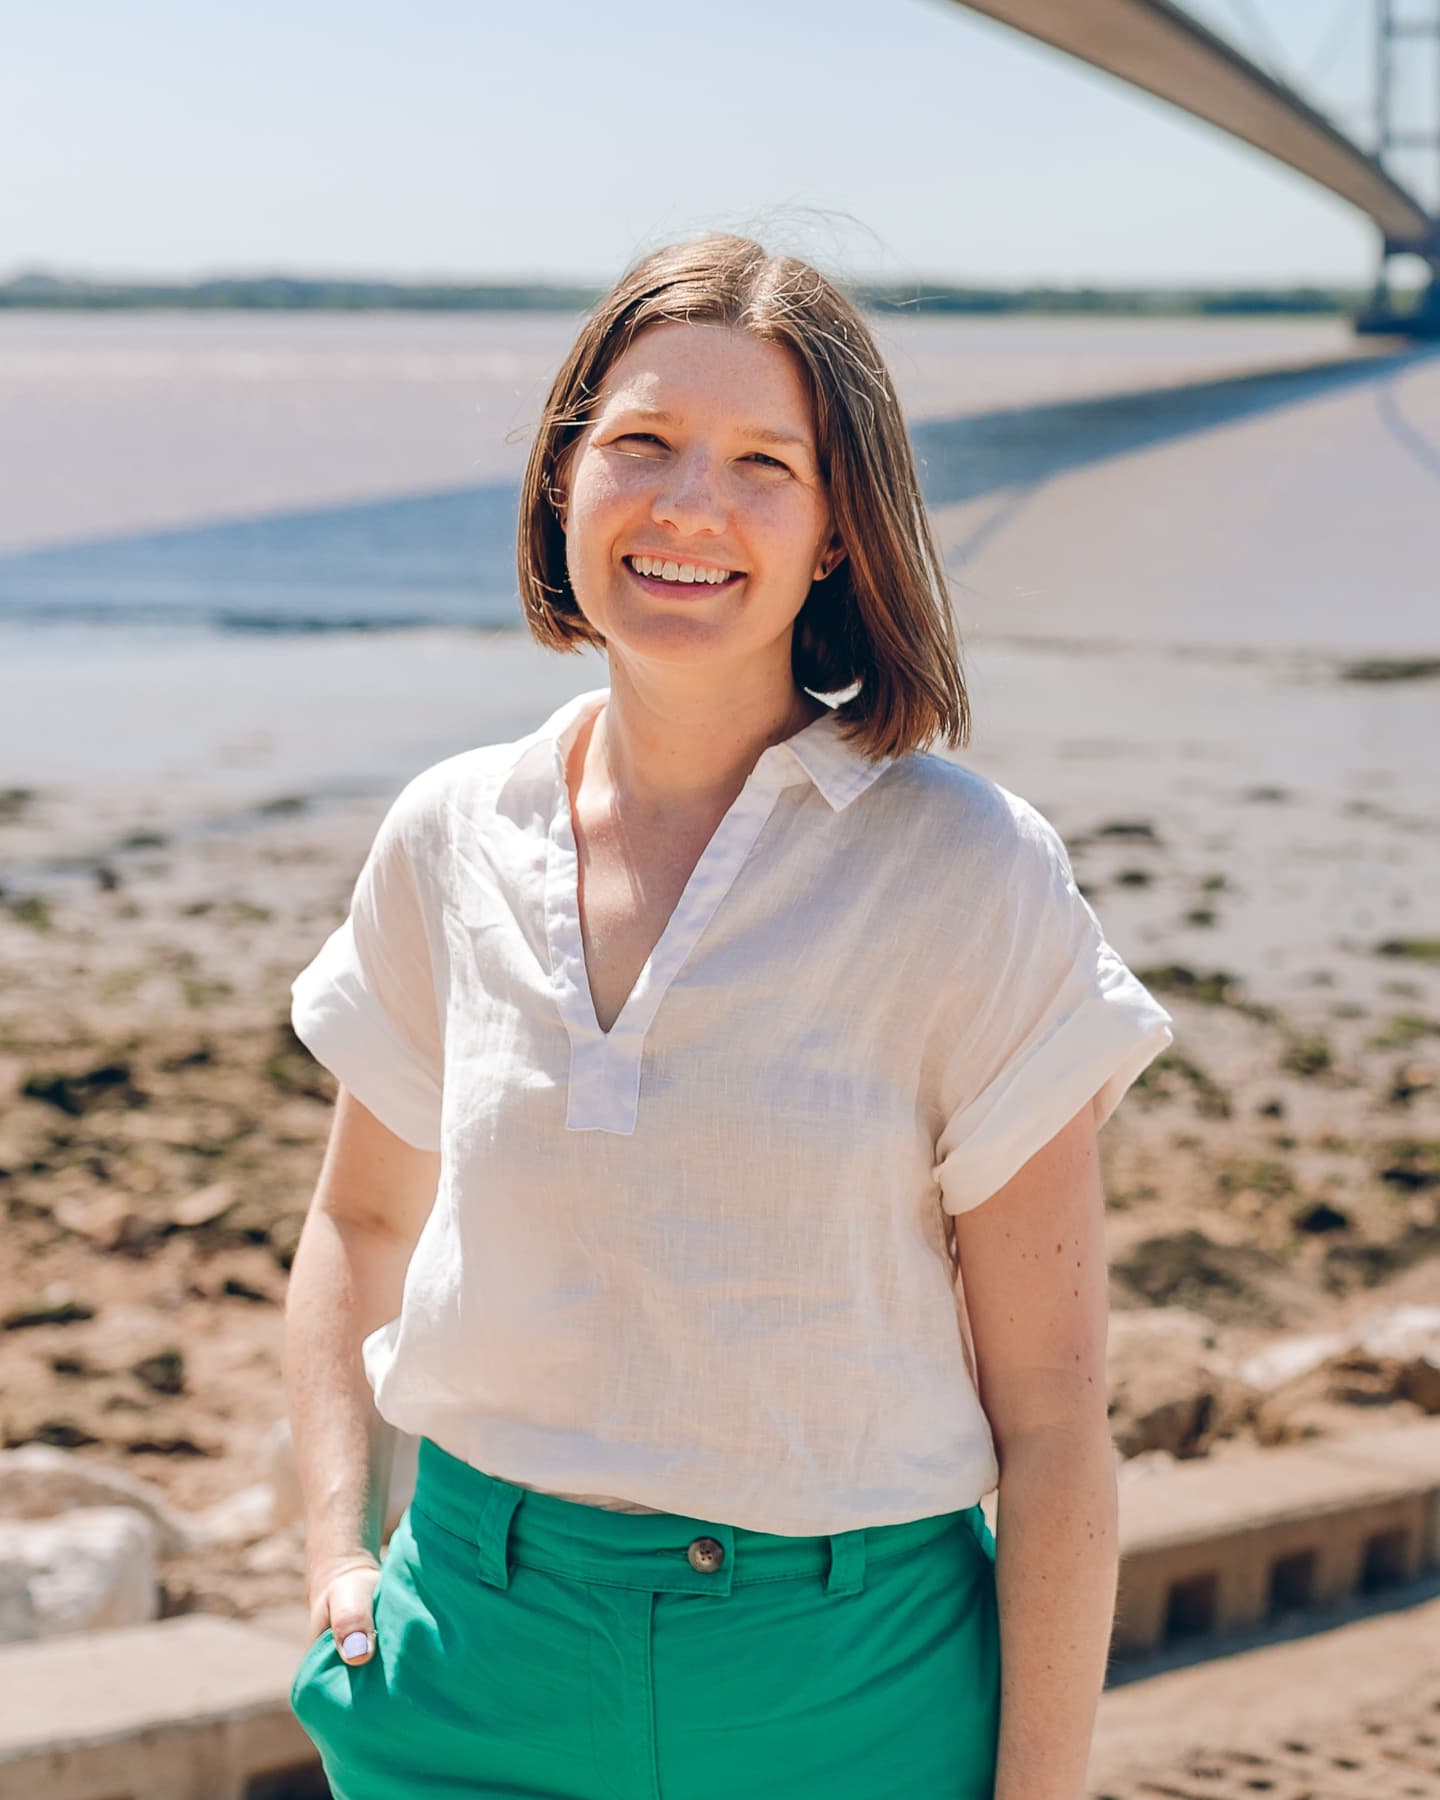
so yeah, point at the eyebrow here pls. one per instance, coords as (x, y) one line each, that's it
(763, 434)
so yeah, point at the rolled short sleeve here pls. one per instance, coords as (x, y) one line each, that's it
(367, 1006)
(1058, 1020)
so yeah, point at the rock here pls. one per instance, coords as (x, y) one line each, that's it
(1412, 1079)
(63, 1433)
(1288, 1358)
(1405, 1340)
(38, 1482)
(283, 1554)
(1420, 1381)
(98, 1215)
(204, 1206)
(111, 1220)
(91, 1570)
(55, 1305)
(1320, 1216)
(1356, 1379)
(1390, 1356)
(1171, 1389)
(163, 1373)
(106, 1084)
(126, 1339)
(240, 1518)
(158, 1444)
(1147, 1462)
(1399, 1331)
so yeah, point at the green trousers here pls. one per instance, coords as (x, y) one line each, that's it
(541, 1649)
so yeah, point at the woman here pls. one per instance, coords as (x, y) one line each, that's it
(679, 1042)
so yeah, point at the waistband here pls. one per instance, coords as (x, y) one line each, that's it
(662, 1552)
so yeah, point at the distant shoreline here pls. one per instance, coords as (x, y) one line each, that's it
(43, 292)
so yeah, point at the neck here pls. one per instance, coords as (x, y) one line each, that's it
(662, 755)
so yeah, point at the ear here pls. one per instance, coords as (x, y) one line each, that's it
(830, 559)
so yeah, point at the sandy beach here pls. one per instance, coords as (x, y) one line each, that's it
(1259, 837)
(1252, 812)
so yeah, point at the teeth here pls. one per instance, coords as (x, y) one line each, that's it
(679, 572)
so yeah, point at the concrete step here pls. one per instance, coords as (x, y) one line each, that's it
(192, 1708)
(198, 1708)
(1209, 1549)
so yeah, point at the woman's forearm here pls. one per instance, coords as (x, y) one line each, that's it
(346, 1280)
(1056, 1567)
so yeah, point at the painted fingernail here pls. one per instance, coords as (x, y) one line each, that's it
(356, 1644)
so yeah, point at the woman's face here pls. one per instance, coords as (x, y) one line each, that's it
(701, 457)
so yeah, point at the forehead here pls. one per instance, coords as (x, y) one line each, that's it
(684, 367)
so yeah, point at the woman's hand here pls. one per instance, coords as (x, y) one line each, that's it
(340, 1595)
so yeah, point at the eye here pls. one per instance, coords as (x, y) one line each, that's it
(774, 462)
(644, 437)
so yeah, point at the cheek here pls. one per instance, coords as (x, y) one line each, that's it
(789, 519)
(602, 488)
(601, 505)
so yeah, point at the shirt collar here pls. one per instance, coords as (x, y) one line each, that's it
(838, 769)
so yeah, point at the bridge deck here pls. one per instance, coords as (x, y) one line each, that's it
(1155, 46)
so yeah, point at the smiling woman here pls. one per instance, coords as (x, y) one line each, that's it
(711, 1013)
(700, 496)
(745, 395)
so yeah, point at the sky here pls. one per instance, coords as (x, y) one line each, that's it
(557, 139)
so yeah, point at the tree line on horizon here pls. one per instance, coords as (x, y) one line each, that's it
(286, 293)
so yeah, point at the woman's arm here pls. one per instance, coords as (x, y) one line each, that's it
(1032, 1258)
(347, 1278)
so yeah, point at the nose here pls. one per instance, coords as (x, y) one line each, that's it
(688, 495)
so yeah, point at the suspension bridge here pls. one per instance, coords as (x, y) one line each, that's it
(1158, 47)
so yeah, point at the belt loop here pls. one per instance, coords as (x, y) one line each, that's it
(492, 1531)
(847, 1562)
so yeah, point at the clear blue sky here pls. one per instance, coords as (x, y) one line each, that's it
(556, 138)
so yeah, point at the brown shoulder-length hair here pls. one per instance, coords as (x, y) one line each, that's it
(882, 618)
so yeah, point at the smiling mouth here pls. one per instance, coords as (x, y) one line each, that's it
(693, 589)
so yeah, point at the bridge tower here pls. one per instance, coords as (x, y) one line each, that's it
(1392, 26)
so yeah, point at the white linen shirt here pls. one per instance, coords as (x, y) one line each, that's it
(704, 1262)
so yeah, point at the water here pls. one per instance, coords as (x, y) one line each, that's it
(432, 559)
(1221, 481)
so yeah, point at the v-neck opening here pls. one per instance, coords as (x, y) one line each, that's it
(605, 1066)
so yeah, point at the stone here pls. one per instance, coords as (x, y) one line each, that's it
(1170, 1387)
(1420, 1381)
(240, 1518)
(88, 1570)
(1288, 1358)
(1398, 1331)
(40, 1482)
